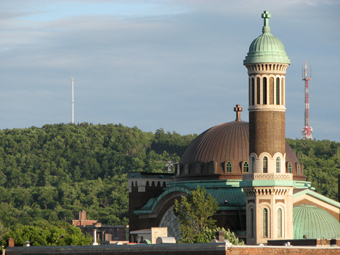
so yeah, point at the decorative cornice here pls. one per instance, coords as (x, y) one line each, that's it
(267, 176)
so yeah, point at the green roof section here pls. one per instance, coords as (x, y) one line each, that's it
(266, 48)
(318, 196)
(314, 223)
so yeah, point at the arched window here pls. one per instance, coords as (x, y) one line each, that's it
(245, 167)
(281, 91)
(271, 90)
(186, 169)
(251, 222)
(258, 92)
(252, 102)
(212, 167)
(228, 167)
(290, 168)
(279, 222)
(252, 164)
(277, 90)
(265, 165)
(264, 91)
(265, 222)
(298, 168)
(198, 168)
(278, 165)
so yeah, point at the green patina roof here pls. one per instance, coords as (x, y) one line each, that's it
(233, 196)
(266, 48)
(315, 223)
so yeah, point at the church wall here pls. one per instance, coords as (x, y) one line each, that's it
(138, 199)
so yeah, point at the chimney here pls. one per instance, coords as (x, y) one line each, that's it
(219, 236)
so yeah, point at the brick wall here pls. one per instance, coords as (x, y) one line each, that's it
(267, 132)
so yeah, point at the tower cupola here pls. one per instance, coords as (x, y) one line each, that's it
(266, 48)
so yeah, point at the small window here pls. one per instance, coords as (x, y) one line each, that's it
(198, 168)
(278, 165)
(228, 167)
(252, 91)
(186, 169)
(264, 94)
(290, 168)
(251, 222)
(212, 167)
(245, 167)
(265, 165)
(258, 90)
(265, 223)
(277, 91)
(279, 223)
(252, 164)
(298, 168)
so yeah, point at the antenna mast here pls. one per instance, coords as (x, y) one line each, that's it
(307, 130)
(72, 79)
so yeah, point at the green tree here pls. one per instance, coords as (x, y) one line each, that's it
(210, 234)
(194, 213)
(64, 234)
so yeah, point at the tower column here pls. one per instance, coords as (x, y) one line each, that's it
(268, 188)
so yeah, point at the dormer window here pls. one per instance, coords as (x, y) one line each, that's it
(198, 168)
(245, 167)
(186, 169)
(290, 168)
(298, 168)
(228, 167)
(212, 167)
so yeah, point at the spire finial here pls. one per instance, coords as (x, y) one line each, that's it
(266, 16)
(238, 109)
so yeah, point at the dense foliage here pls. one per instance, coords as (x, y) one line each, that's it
(194, 212)
(321, 160)
(58, 234)
(53, 172)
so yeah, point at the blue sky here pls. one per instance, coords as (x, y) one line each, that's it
(176, 65)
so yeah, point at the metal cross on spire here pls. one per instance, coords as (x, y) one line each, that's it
(238, 109)
(266, 16)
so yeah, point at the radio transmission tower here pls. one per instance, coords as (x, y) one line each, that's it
(72, 79)
(307, 130)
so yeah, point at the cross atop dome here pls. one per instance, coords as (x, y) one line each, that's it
(266, 16)
(238, 109)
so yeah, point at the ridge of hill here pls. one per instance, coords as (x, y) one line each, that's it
(51, 173)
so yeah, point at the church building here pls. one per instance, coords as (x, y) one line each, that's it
(249, 169)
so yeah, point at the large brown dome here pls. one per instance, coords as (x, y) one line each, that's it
(222, 152)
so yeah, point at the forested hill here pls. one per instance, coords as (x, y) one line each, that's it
(321, 160)
(53, 172)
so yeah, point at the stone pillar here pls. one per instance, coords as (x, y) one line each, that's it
(95, 237)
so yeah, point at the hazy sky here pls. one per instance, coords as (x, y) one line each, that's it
(171, 64)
